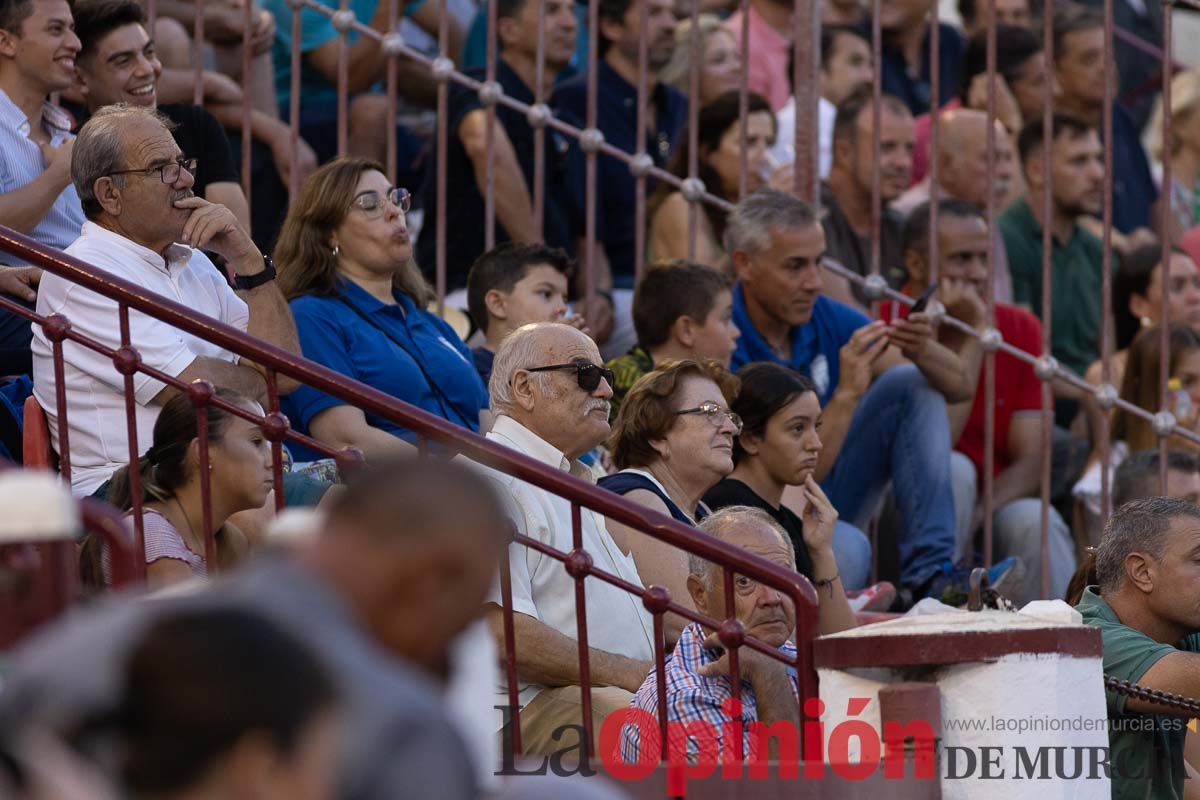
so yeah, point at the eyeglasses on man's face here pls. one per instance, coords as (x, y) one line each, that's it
(371, 202)
(168, 173)
(714, 414)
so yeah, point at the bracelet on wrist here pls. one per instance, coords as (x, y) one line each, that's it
(828, 582)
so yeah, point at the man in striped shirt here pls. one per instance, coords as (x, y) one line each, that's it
(37, 58)
(698, 687)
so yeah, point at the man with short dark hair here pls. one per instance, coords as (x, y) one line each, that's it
(616, 117)
(883, 387)
(846, 69)
(680, 310)
(1139, 476)
(1076, 182)
(145, 225)
(963, 241)
(37, 58)
(847, 196)
(1145, 607)
(512, 152)
(513, 285)
(1079, 72)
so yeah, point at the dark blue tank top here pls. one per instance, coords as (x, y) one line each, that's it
(624, 482)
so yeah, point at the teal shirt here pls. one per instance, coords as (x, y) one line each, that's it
(1076, 269)
(1145, 750)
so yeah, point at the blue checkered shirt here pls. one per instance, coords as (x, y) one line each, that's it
(21, 163)
(692, 697)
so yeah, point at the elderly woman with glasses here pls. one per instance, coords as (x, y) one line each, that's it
(345, 264)
(672, 441)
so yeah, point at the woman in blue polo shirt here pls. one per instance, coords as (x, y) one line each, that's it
(345, 263)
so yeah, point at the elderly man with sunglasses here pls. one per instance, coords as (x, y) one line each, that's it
(145, 225)
(550, 394)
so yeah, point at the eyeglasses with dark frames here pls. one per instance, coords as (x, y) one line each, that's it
(371, 203)
(588, 375)
(713, 413)
(168, 173)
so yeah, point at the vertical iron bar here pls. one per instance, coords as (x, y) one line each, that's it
(510, 652)
(1164, 329)
(393, 79)
(343, 84)
(247, 61)
(585, 671)
(876, 148)
(198, 54)
(1106, 318)
(589, 247)
(205, 467)
(743, 102)
(276, 444)
(935, 113)
(989, 362)
(660, 684)
(135, 475)
(639, 186)
(489, 138)
(693, 123)
(806, 57)
(539, 131)
(294, 106)
(735, 679)
(60, 398)
(443, 94)
(1047, 264)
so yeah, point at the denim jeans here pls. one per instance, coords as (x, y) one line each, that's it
(852, 551)
(900, 434)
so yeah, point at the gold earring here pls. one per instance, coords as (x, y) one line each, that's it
(1146, 322)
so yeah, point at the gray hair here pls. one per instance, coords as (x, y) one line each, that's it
(518, 351)
(718, 524)
(100, 150)
(1142, 526)
(749, 226)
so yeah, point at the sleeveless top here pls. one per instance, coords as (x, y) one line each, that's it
(627, 480)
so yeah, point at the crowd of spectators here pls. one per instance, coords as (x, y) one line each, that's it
(720, 376)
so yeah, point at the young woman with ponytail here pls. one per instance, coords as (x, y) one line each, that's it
(239, 466)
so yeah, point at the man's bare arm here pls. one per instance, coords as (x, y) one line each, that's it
(1178, 673)
(246, 381)
(514, 208)
(548, 657)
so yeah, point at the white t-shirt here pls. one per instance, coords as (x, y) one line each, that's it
(94, 389)
(617, 622)
(784, 151)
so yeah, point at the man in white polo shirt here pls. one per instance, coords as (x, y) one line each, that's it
(135, 189)
(550, 392)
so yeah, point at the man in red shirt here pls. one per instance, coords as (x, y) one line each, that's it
(963, 242)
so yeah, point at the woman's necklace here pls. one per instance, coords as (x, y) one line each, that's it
(195, 540)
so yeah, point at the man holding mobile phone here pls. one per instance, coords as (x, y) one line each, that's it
(883, 386)
(962, 277)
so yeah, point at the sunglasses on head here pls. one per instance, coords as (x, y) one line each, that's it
(588, 375)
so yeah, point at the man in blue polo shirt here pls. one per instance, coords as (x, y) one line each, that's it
(616, 117)
(883, 387)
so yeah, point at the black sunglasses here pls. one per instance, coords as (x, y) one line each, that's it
(588, 375)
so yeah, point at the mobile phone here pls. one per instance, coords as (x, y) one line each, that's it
(923, 300)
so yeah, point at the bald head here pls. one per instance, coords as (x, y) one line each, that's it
(962, 157)
(736, 524)
(566, 405)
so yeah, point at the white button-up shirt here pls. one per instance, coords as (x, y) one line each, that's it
(94, 389)
(617, 622)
